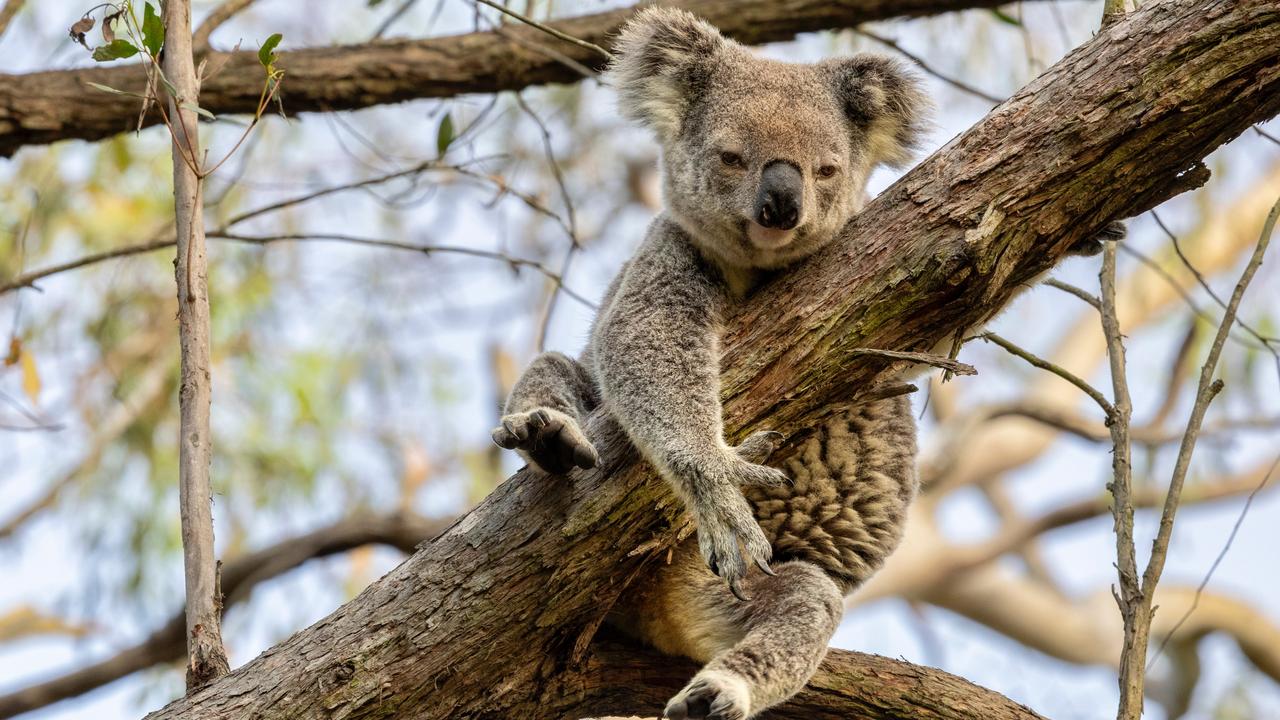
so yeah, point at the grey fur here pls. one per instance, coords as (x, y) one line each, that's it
(722, 115)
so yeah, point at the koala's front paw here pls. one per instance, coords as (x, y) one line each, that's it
(712, 695)
(548, 438)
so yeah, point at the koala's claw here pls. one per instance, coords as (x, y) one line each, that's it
(548, 438)
(724, 536)
(760, 445)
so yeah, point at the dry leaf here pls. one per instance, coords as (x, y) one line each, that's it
(82, 26)
(30, 378)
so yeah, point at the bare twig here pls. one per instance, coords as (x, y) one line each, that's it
(1061, 372)
(1200, 279)
(1226, 547)
(567, 199)
(920, 358)
(1206, 390)
(214, 20)
(957, 84)
(29, 279)
(7, 13)
(397, 245)
(1073, 290)
(206, 656)
(548, 29)
(1266, 135)
(1129, 596)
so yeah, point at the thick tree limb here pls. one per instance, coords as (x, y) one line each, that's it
(487, 619)
(45, 107)
(239, 577)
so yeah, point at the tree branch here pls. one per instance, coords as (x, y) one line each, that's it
(45, 107)
(488, 618)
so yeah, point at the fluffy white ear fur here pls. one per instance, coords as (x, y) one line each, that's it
(884, 101)
(663, 55)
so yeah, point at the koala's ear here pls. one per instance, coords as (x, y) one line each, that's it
(663, 59)
(884, 102)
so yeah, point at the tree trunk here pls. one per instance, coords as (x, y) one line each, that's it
(495, 618)
(45, 107)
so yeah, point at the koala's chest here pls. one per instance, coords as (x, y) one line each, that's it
(852, 483)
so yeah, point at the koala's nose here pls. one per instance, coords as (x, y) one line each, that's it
(781, 195)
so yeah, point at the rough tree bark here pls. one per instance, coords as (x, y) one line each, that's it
(44, 107)
(206, 657)
(495, 618)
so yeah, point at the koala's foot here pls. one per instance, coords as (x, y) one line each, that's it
(548, 438)
(712, 695)
(1093, 246)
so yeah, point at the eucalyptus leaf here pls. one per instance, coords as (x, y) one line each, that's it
(152, 31)
(117, 49)
(266, 54)
(444, 135)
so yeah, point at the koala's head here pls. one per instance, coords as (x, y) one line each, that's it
(763, 161)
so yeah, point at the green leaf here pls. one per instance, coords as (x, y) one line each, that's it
(115, 50)
(199, 111)
(107, 88)
(152, 31)
(444, 136)
(266, 54)
(1005, 17)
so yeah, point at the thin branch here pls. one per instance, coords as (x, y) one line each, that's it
(398, 245)
(215, 19)
(920, 358)
(1226, 547)
(549, 30)
(957, 84)
(7, 13)
(1081, 293)
(30, 279)
(567, 199)
(1129, 597)
(1207, 389)
(1061, 372)
(392, 18)
(1266, 135)
(1200, 278)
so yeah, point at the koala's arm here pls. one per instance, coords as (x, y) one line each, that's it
(656, 355)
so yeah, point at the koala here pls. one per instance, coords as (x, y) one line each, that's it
(764, 162)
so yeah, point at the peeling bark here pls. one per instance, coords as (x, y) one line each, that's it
(488, 620)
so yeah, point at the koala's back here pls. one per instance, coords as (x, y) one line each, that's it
(851, 484)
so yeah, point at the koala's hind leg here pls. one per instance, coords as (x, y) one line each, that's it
(543, 417)
(758, 653)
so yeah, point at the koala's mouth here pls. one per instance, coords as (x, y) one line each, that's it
(764, 238)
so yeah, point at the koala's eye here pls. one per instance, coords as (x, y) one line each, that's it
(731, 159)
(827, 171)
